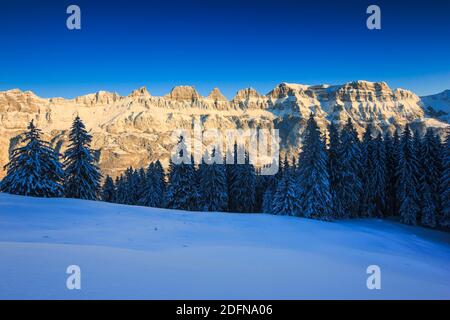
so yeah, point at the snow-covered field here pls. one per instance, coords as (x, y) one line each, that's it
(136, 252)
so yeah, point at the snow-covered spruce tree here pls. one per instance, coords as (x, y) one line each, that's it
(334, 169)
(155, 187)
(261, 186)
(132, 187)
(34, 169)
(212, 184)
(161, 188)
(121, 190)
(233, 174)
(81, 174)
(429, 178)
(243, 186)
(108, 190)
(148, 192)
(350, 164)
(116, 189)
(445, 183)
(417, 149)
(182, 190)
(142, 184)
(392, 147)
(313, 178)
(378, 178)
(286, 200)
(270, 189)
(367, 157)
(407, 180)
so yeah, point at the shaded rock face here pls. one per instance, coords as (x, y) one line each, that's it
(136, 129)
(438, 105)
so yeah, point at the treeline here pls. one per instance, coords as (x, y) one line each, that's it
(405, 175)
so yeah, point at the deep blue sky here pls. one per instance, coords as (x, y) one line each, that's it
(230, 44)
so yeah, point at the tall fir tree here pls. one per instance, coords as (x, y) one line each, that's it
(350, 164)
(286, 199)
(429, 177)
(121, 190)
(445, 183)
(261, 187)
(313, 178)
(407, 172)
(377, 207)
(334, 169)
(367, 158)
(392, 147)
(182, 190)
(271, 185)
(34, 169)
(142, 184)
(130, 186)
(154, 193)
(108, 190)
(242, 184)
(81, 174)
(212, 184)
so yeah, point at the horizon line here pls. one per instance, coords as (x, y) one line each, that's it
(139, 87)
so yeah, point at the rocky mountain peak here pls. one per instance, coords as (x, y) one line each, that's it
(216, 95)
(245, 94)
(100, 97)
(141, 92)
(286, 90)
(184, 93)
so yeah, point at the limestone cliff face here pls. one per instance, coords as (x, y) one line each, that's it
(136, 129)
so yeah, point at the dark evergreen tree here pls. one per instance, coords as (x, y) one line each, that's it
(213, 184)
(377, 206)
(34, 169)
(334, 169)
(407, 184)
(108, 190)
(232, 175)
(313, 178)
(121, 190)
(367, 161)
(286, 200)
(81, 174)
(271, 185)
(154, 193)
(392, 147)
(429, 178)
(350, 164)
(445, 183)
(116, 187)
(142, 184)
(243, 186)
(130, 187)
(261, 187)
(182, 190)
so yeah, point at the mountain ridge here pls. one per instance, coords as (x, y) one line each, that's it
(136, 129)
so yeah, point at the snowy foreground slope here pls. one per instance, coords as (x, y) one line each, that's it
(135, 252)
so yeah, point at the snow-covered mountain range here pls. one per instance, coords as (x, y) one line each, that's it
(135, 129)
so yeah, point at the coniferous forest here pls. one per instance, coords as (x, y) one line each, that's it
(336, 175)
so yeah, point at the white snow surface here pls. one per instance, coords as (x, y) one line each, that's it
(127, 252)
